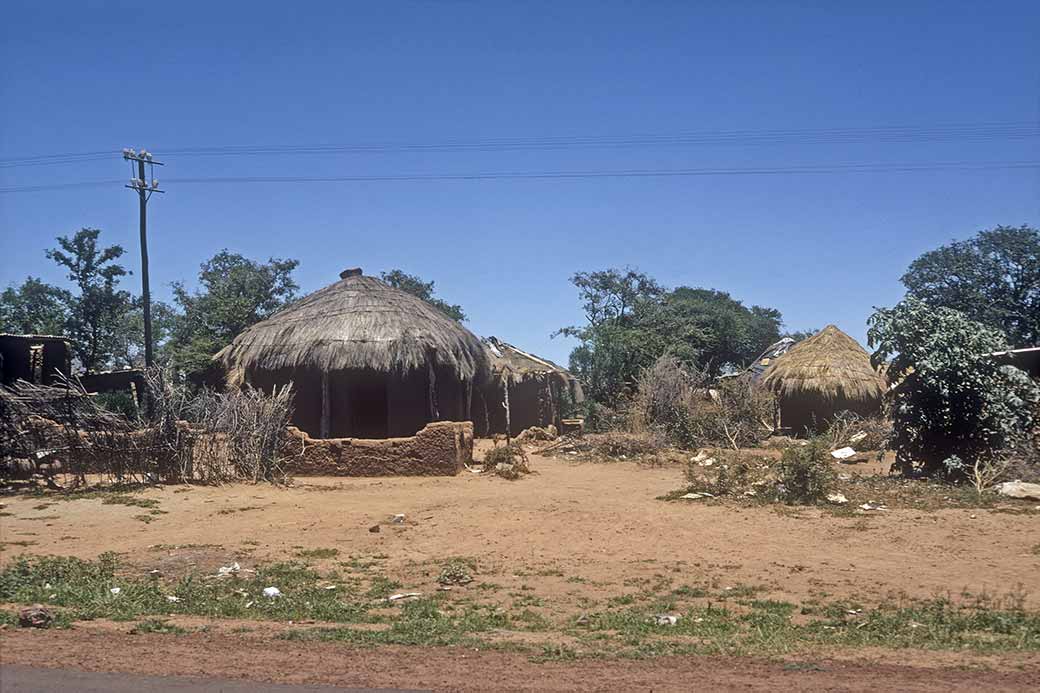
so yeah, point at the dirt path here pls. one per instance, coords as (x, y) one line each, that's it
(452, 669)
(23, 679)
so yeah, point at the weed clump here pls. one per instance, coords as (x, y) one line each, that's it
(804, 474)
(508, 461)
(731, 473)
(456, 572)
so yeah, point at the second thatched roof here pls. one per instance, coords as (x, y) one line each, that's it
(515, 365)
(830, 364)
(357, 323)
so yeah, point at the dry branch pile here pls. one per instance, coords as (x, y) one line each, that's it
(206, 438)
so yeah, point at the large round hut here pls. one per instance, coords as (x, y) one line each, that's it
(821, 376)
(366, 360)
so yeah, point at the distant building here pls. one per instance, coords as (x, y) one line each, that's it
(34, 358)
(537, 391)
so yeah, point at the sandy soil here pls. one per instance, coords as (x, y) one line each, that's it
(596, 522)
(570, 533)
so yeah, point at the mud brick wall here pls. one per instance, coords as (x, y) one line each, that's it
(442, 448)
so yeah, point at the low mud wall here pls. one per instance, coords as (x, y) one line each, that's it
(442, 448)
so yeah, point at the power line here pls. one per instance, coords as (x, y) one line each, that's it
(585, 174)
(886, 134)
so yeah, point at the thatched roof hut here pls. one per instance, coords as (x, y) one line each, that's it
(525, 390)
(367, 360)
(821, 376)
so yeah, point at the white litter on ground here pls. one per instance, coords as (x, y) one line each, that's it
(404, 595)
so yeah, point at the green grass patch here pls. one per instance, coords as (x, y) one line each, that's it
(101, 589)
(317, 553)
(421, 622)
(128, 500)
(381, 587)
(157, 625)
(629, 625)
(231, 511)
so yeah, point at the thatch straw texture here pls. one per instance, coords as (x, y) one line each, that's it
(830, 364)
(356, 323)
(513, 363)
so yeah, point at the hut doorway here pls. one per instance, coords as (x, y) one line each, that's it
(357, 403)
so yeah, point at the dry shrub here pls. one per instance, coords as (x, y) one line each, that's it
(600, 418)
(535, 433)
(732, 473)
(244, 431)
(1020, 462)
(509, 461)
(683, 403)
(847, 424)
(620, 445)
(182, 437)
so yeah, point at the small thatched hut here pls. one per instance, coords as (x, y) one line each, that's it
(821, 376)
(524, 391)
(366, 360)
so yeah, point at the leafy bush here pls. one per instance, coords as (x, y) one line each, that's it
(954, 406)
(805, 474)
(118, 403)
(600, 418)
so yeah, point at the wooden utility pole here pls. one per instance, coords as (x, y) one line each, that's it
(144, 186)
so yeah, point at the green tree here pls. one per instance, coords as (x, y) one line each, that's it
(129, 349)
(993, 278)
(35, 307)
(632, 321)
(96, 313)
(716, 331)
(615, 345)
(424, 290)
(234, 293)
(952, 406)
(800, 335)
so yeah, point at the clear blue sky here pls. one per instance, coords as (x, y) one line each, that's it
(95, 76)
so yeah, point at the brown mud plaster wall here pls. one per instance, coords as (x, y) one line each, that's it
(442, 448)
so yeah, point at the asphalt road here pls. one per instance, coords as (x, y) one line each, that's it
(22, 679)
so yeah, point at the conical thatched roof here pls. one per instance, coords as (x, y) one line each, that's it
(830, 364)
(358, 322)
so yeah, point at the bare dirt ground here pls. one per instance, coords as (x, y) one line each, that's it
(570, 535)
(454, 669)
